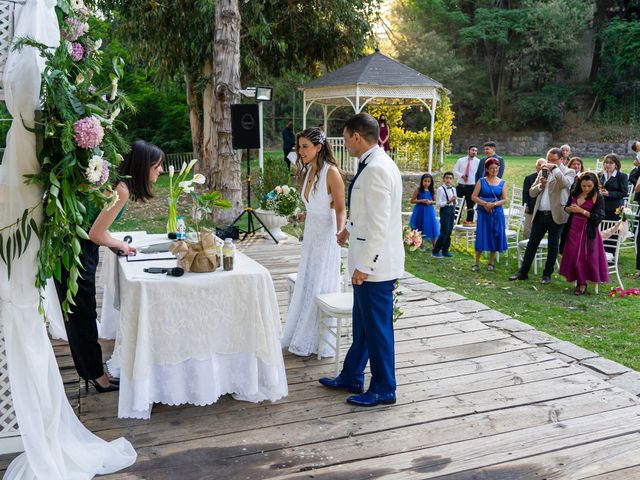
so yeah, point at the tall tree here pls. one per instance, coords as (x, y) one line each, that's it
(180, 38)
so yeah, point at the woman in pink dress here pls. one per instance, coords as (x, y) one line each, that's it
(583, 256)
(383, 139)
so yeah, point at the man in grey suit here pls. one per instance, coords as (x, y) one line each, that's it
(551, 191)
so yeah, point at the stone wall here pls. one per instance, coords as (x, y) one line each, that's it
(537, 143)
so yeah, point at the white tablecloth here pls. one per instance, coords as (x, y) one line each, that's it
(193, 338)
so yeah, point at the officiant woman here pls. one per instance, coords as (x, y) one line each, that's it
(138, 172)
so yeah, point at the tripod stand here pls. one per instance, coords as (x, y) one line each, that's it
(251, 228)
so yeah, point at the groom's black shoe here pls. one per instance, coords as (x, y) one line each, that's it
(371, 399)
(339, 384)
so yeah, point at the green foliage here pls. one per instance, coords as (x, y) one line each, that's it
(545, 108)
(276, 172)
(70, 93)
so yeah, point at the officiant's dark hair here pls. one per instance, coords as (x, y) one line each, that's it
(136, 166)
(317, 136)
(365, 125)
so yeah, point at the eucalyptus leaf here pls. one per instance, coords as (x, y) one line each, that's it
(4, 259)
(81, 233)
(34, 226)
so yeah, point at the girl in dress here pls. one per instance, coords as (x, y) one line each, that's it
(583, 255)
(423, 217)
(383, 138)
(322, 193)
(489, 194)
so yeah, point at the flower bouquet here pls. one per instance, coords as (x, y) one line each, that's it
(625, 213)
(283, 200)
(412, 238)
(619, 292)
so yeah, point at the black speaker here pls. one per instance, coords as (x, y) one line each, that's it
(245, 127)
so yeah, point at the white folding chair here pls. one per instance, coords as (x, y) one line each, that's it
(516, 199)
(513, 223)
(611, 230)
(338, 306)
(629, 241)
(598, 165)
(540, 256)
(469, 231)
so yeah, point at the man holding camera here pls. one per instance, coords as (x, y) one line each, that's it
(551, 191)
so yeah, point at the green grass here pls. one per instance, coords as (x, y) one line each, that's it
(609, 326)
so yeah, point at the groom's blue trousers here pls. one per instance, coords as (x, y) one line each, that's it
(372, 337)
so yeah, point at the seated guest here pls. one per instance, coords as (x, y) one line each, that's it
(446, 201)
(583, 256)
(528, 201)
(489, 195)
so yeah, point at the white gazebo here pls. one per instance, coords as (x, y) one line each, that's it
(377, 79)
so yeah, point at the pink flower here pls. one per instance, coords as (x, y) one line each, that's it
(77, 51)
(88, 132)
(74, 29)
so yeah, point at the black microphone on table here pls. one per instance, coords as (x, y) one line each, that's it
(172, 272)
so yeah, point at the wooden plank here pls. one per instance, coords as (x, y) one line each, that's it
(416, 404)
(622, 474)
(472, 454)
(311, 447)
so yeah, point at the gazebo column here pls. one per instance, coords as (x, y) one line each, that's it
(434, 102)
(325, 117)
(304, 109)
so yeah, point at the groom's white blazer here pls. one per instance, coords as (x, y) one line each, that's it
(375, 220)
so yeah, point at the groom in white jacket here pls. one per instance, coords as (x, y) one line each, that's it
(376, 260)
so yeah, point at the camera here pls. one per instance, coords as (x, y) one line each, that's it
(545, 173)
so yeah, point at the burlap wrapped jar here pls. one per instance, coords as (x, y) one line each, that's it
(198, 257)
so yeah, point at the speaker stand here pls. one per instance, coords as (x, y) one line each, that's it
(251, 214)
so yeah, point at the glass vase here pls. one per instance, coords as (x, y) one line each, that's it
(172, 220)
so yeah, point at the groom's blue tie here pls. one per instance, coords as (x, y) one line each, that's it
(361, 165)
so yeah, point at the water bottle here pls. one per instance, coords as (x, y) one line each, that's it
(228, 253)
(181, 229)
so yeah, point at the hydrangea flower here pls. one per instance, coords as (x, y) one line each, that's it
(88, 132)
(77, 51)
(74, 29)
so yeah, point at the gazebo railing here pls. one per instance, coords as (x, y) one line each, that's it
(347, 163)
(176, 159)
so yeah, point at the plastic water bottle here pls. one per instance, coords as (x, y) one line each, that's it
(181, 229)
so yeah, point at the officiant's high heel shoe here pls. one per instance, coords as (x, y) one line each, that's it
(99, 388)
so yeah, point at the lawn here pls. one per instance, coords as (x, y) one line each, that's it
(609, 326)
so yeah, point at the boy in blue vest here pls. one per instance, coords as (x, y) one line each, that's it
(446, 200)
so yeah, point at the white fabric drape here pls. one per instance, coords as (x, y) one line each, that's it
(57, 445)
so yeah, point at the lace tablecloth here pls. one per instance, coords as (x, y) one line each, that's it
(193, 338)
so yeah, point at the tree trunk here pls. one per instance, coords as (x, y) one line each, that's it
(223, 173)
(194, 100)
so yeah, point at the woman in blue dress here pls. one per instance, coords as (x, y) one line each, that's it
(423, 217)
(489, 194)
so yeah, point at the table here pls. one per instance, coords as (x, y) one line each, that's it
(193, 338)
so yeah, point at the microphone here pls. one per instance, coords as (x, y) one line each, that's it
(172, 272)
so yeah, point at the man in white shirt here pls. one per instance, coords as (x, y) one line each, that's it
(566, 154)
(465, 169)
(376, 260)
(551, 190)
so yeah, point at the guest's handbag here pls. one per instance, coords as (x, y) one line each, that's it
(198, 257)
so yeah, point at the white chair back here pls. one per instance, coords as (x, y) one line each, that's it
(611, 231)
(458, 210)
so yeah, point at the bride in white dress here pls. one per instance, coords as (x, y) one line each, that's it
(323, 195)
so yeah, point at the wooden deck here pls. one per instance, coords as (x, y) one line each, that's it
(474, 402)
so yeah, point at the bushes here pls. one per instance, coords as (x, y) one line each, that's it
(545, 108)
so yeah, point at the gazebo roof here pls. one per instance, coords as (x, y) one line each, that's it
(374, 69)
